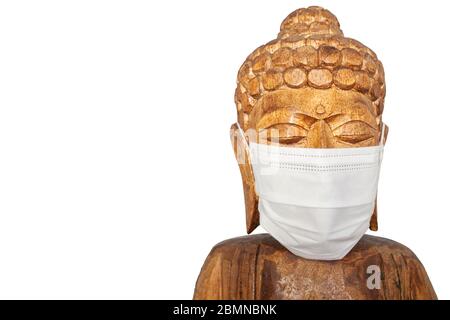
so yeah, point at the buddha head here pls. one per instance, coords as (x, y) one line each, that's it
(315, 87)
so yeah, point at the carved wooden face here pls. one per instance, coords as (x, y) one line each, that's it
(315, 118)
(307, 118)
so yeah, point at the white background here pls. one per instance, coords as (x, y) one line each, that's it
(116, 171)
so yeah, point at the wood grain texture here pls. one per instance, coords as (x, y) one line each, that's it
(311, 87)
(258, 267)
(314, 88)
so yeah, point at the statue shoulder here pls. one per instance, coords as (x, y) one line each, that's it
(229, 261)
(259, 267)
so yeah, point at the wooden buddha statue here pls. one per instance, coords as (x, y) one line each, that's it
(318, 89)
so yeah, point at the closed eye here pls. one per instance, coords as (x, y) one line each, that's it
(284, 133)
(354, 131)
(355, 138)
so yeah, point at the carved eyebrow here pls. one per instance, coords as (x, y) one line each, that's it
(305, 119)
(338, 120)
(355, 121)
(284, 117)
(304, 116)
(360, 102)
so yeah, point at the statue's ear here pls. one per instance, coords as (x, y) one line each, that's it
(374, 218)
(386, 132)
(241, 152)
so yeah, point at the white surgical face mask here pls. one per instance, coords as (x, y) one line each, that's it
(316, 202)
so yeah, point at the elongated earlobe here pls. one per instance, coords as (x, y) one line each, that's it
(374, 218)
(248, 182)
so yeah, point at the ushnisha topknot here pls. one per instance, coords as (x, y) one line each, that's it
(310, 50)
(310, 21)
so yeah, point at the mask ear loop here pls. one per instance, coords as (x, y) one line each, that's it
(247, 150)
(373, 225)
(242, 133)
(240, 130)
(381, 144)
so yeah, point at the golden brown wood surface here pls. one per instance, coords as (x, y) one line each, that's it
(314, 88)
(258, 267)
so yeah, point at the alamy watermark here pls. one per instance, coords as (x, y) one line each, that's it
(374, 278)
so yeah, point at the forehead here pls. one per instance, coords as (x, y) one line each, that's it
(317, 103)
